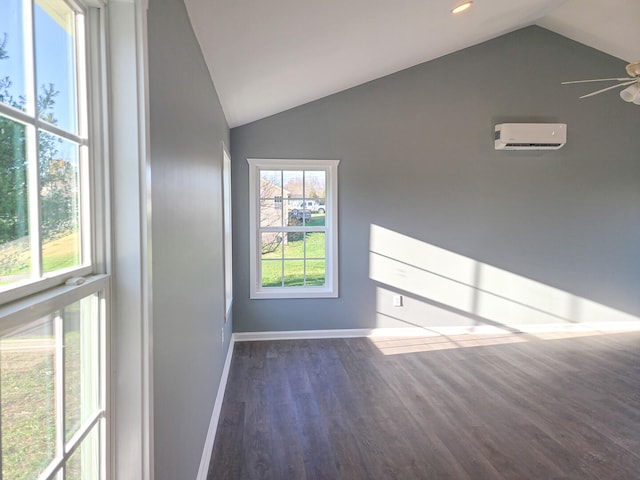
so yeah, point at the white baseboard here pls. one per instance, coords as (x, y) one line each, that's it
(301, 334)
(436, 331)
(215, 416)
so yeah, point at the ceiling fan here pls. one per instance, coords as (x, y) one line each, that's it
(629, 94)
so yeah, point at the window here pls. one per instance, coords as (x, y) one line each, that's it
(294, 228)
(228, 260)
(53, 300)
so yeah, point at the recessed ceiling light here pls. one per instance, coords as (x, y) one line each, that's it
(462, 7)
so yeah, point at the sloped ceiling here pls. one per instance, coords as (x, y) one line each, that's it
(266, 56)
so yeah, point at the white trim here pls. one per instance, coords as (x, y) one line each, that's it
(436, 331)
(289, 163)
(301, 334)
(104, 308)
(215, 416)
(131, 420)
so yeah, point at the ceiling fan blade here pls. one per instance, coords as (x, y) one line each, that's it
(608, 88)
(599, 80)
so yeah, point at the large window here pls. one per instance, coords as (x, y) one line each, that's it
(228, 252)
(294, 228)
(53, 298)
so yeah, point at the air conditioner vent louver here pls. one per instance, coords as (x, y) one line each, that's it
(530, 136)
(532, 145)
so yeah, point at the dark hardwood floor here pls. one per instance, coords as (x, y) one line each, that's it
(511, 406)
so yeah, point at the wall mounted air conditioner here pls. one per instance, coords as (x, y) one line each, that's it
(530, 136)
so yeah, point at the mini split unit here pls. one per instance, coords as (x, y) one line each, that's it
(530, 136)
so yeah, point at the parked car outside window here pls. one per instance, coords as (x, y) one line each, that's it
(311, 206)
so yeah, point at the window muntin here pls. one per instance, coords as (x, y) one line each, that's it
(293, 228)
(43, 146)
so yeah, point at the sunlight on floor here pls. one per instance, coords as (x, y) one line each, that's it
(434, 342)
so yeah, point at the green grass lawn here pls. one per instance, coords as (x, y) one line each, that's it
(57, 253)
(28, 406)
(27, 396)
(293, 259)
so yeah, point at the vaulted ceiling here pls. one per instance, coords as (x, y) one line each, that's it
(266, 56)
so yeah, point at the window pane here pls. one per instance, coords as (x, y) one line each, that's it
(318, 219)
(293, 273)
(81, 363)
(316, 245)
(314, 188)
(271, 273)
(27, 391)
(292, 184)
(272, 245)
(315, 184)
(84, 464)
(271, 199)
(15, 251)
(294, 245)
(60, 219)
(297, 215)
(315, 272)
(12, 70)
(55, 63)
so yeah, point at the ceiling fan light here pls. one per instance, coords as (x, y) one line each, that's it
(631, 93)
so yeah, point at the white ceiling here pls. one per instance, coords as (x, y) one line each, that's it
(266, 56)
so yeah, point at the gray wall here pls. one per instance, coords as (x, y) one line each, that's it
(429, 209)
(187, 127)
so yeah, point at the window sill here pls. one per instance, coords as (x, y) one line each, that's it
(289, 292)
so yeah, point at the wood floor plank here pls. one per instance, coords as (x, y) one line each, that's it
(512, 406)
(228, 464)
(287, 450)
(319, 459)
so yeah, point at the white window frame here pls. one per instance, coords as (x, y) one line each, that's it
(227, 242)
(330, 289)
(130, 448)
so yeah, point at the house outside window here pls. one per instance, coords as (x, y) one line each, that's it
(294, 228)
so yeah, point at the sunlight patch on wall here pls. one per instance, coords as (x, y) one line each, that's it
(420, 326)
(468, 293)
(420, 281)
